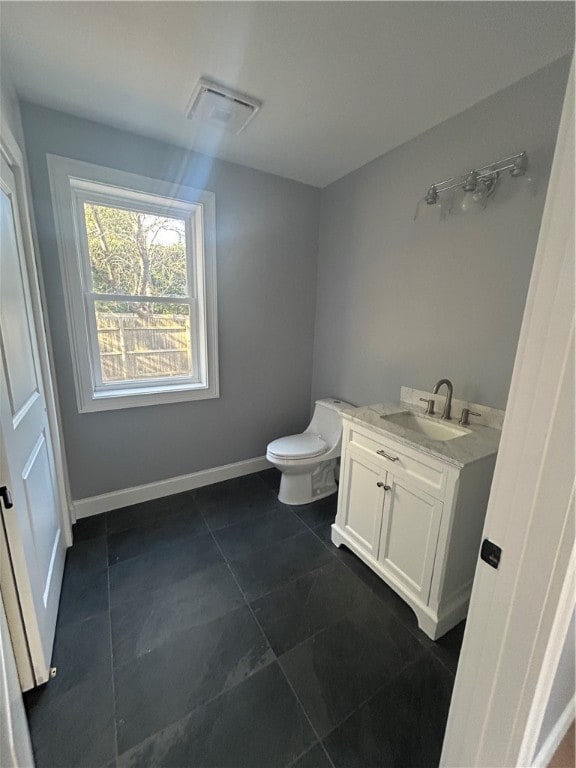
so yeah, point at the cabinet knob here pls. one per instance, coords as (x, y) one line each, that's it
(381, 485)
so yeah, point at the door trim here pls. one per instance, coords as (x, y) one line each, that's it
(552, 657)
(15, 159)
(15, 744)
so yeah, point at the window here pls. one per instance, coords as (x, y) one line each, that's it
(138, 265)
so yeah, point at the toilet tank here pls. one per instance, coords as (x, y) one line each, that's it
(327, 419)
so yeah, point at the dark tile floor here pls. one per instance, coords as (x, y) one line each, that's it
(221, 628)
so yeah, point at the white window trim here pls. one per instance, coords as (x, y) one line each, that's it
(71, 182)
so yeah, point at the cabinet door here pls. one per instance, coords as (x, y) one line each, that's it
(409, 535)
(362, 499)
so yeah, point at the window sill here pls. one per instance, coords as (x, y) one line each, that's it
(136, 398)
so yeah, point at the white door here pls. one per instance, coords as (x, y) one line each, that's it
(31, 507)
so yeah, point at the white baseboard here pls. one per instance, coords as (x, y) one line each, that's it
(554, 738)
(106, 502)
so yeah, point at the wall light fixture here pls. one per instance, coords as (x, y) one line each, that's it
(477, 185)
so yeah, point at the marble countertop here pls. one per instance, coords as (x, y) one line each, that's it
(480, 441)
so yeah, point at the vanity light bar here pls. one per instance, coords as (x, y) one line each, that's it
(517, 165)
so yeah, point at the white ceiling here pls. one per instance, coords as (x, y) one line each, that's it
(341, 82)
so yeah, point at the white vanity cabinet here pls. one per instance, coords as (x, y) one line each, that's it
(415, 519)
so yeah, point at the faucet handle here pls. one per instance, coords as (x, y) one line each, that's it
(429, 405)
(464, 418)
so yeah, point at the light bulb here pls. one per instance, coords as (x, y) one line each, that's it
(468, 203)
(428, 211)
(476, 199)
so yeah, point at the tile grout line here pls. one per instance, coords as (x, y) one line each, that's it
(393, 677)
(115, 721)
(314, 731)
(377, 692)
(242, 593)
(308, 528)
(386, 607)
(167, 546)
(192, 711)
(426, 650)
(437, 658)
(275, 659)
(227, 690)
(209, 530)
(231, 572)
(309, 749)
(227, 560)
(415, 633)
(289, 583)
(259, 549)
(282, 586)
(143, 526)
(248, 601)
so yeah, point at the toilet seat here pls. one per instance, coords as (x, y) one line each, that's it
(304, 446)
(308, 461)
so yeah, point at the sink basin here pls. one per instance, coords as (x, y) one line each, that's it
(434, 430)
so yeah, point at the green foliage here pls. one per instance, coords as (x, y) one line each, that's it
(135, 254)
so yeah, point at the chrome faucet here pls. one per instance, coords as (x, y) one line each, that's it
(448, 403)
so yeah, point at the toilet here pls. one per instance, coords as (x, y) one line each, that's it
(308, 461)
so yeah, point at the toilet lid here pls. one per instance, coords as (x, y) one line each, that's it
(297, 446)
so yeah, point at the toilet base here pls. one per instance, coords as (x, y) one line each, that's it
(307, 487)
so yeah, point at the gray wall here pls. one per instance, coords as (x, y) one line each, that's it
(397, 302)
(267, 231)
(404, 302)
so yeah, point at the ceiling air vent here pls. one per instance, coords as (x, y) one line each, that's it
(219, 106)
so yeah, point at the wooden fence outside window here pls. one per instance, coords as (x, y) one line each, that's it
(133, 347)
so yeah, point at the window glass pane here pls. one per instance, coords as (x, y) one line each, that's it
(142, 340)
(135, 253)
